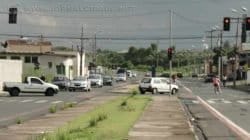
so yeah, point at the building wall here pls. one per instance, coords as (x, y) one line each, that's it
(10, 71)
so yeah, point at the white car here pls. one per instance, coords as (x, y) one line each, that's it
(157, 85)
(121, 77)
(80, 83)
(30, 85)
(96, 80)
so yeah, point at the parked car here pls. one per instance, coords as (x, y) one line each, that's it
(107, 80)
(96, 80)
(194, 75)
(129, 73)
(134, 74)
(121, 77)
(30, 85)
(209, 78)
(80, 83)
(62, 82)
(157, 85)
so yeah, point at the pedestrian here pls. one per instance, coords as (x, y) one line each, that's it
(216, 84)
(43, 77)
(224, 80)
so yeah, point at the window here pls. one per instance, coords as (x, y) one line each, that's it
(156, 81)
(60, 69)
(15, 57)
(27, 59)
(34, 59)
(50, 65)
(3, 57)
(35, 81)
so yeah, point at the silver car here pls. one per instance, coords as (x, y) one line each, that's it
(80, 83)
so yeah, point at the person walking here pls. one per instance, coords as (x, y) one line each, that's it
(216, 84)
(224, 80)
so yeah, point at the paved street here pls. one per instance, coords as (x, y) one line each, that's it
(28, 106)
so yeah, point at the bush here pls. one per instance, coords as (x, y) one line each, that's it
(92, 122)
(102, 117)
(19, 121)
(52, 109)
(124, 103)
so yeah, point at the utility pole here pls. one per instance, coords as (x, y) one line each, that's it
(81, 52)
(170, 45)
(94, 52)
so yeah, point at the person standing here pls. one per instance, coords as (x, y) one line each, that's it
(216, 84)
(224, 80)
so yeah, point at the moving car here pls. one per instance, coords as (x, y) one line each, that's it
(30, 85)
(96, 80)
(157, 85)
(62, 82)
(209, 78)
(80, 83)
(107, 80)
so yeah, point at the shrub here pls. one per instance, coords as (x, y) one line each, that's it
(92, 122)
(52, 109)
(19, 121)
(124, 103)
(102, 116)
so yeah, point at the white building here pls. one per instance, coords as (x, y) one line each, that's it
(40, 54)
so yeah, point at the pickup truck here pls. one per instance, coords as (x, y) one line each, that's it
(30, 85)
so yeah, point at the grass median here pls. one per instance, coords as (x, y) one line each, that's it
(110, 121)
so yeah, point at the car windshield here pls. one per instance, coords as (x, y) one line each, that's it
(59, 79)
(94, 77)
(146, 80)
(107, 78)
(79, 78)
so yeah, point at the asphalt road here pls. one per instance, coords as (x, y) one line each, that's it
(28, 106)
(233, 104)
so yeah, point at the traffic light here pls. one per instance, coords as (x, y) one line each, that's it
(248, 23)
(226, 24)
(170, 52)
(12, 15)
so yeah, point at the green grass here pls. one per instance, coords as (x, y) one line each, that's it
(105, 122)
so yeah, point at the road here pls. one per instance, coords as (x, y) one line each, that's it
(27, 106)
(233, 104)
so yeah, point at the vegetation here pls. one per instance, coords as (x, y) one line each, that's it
(106, 122)
(53, 109)
(184, 61)
(19, 121)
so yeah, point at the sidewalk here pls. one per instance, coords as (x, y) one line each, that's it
(163, 119)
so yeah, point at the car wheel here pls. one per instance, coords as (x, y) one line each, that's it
(49, 92)
(142, 91)
(154, 91)
(174, 91)
(14, 92)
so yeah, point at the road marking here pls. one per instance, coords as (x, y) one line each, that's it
(211, 102)
(226, 102)
(25, 101)
(10, 101)
(41, 101)
(56, 102)
(242, 102)
(195, 102)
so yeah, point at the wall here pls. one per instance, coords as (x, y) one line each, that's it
(10, 71)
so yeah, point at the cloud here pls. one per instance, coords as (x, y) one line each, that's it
(40, 20)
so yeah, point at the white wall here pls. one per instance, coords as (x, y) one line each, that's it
(10, 71)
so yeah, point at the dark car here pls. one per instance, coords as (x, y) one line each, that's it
(194, 75)
(179, 75)
(167, 75)
(62, 82)
(107, 80)
(209, 78)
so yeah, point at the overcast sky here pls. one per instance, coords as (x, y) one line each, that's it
(119, 18)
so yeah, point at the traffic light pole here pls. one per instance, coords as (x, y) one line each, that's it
(170, 45)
